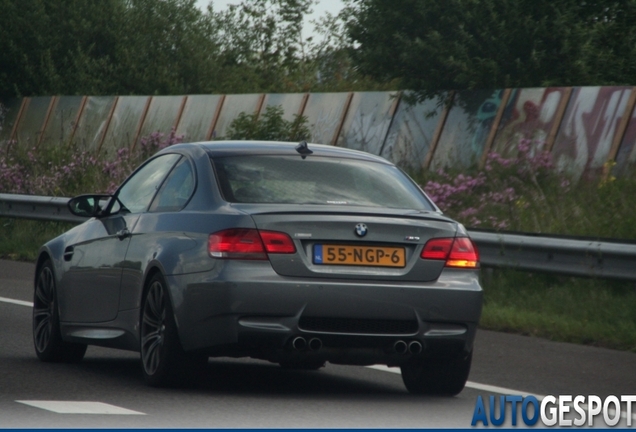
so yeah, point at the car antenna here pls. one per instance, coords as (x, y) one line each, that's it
(303, 149)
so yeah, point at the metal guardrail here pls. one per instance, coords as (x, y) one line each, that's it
(563, 255)
(534, 252)
(37, 207)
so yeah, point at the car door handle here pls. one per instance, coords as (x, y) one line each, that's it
(122, 234)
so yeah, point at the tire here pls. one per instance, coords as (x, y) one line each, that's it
(47, 336)
(436, 377)
(308, 365)
(163, 361)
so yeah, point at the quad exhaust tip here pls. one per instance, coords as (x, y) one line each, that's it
(400, 347)
(315, 344)
(299, 343)
(415, 347)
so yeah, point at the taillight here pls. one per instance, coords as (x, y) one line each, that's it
(437, 249)
(248, 243)
(277, 242)
(457, 252)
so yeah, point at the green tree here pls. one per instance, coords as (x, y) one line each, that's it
(430, 45)
(166, 47)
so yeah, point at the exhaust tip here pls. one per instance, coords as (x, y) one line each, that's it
(299, 343)
(315, 344)
(400, 347)
(415, 347)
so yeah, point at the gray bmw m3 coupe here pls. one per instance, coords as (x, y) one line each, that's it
(292, 253)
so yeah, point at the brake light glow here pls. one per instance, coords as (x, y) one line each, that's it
(277, 242)
(248, 243)
(457, 252)
(437, 249)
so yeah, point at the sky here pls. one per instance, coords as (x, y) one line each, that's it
(331, 6)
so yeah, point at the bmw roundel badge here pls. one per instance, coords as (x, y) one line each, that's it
(361, 230)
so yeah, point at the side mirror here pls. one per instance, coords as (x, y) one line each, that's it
(88, 205)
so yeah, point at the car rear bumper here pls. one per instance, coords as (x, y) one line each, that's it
(250, 310)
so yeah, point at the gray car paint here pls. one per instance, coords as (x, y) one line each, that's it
(233, 306)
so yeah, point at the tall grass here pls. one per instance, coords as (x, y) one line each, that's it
(579, 310)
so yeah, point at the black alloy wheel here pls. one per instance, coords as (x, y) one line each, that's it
(47, 337)
(163, 361)
(437, 377)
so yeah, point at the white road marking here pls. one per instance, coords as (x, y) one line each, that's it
(79, 407)
(469, 384)
(18, 302)
(492, 389)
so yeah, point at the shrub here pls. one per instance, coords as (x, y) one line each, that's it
(271, 126)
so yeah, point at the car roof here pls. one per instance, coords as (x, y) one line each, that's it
(236, 148)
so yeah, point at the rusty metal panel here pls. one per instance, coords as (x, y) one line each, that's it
(125, 123)
(530, 114)
(197, 116)
(590, 123)
(162, 115)
(32, 121)
(93, 122)
(410, 136)
(469, 122)
(232, 107)
(324, 112)
(367, 122)
(62, 120)
(290, 102)
(9, 111)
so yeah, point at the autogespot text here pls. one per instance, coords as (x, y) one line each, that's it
(561, 410)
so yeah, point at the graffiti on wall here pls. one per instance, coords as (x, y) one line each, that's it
(626, 156)
(588, 128)
(530, 114)
(374, 121)
(467, 127)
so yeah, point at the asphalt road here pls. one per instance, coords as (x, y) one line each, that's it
(248, 393)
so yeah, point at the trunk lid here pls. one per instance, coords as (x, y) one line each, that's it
(327, 245)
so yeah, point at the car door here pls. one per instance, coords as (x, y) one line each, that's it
(159, 234)
(91, 285)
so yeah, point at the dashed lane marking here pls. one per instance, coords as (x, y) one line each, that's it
(79, 407)
(492, 389)
(18, 302)
(469, 384)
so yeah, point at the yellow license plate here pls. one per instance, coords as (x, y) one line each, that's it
(378, 256)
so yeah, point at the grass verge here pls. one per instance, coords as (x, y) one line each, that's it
(567, 309)
(20, 239)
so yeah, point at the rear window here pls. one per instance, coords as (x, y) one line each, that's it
(316, 180)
